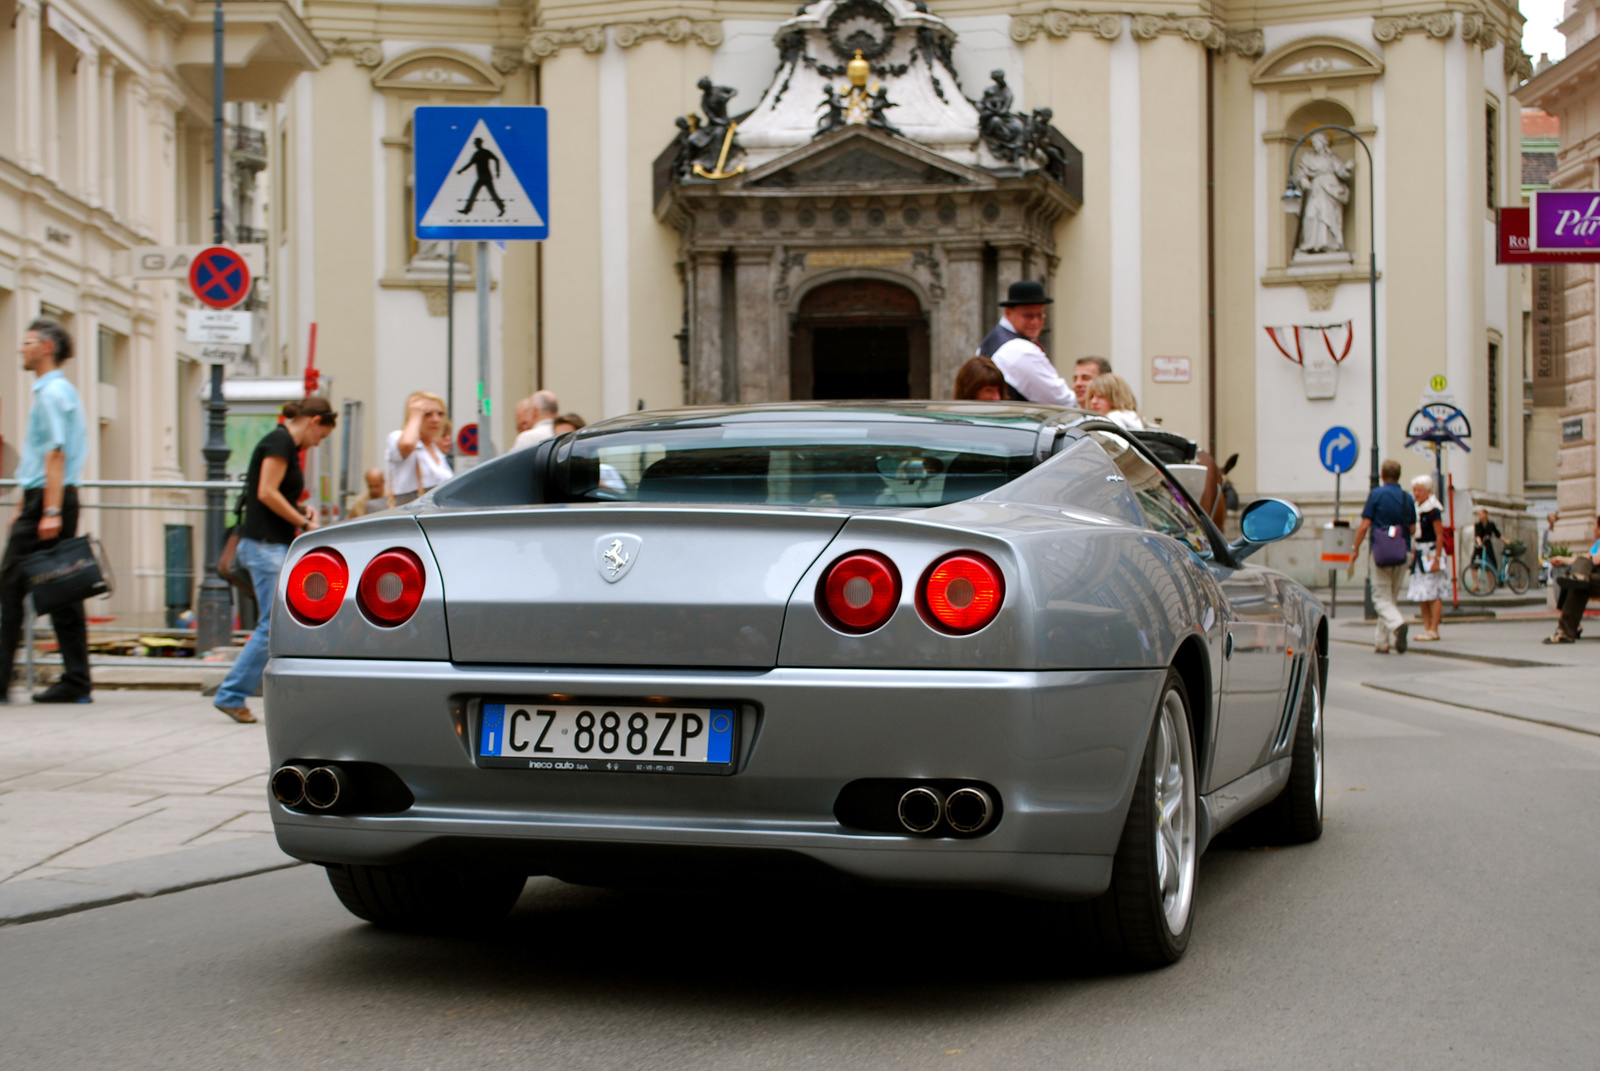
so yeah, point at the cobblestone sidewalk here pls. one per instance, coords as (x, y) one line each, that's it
(132, 775)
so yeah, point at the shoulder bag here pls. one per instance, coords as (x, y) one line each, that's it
(69, 572)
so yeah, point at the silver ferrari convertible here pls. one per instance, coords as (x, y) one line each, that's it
(951, 645)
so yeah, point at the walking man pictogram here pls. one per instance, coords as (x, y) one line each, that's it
(481, 160)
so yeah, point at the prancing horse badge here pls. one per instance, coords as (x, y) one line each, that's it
(615, 554)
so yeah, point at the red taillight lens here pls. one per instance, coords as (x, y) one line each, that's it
(391, 587)
(860, 591)
(316, 586)
(963, 592)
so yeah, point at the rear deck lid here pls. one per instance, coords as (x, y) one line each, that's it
(616, 585)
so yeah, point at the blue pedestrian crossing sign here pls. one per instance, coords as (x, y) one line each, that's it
(1339, 450)
(481, 173)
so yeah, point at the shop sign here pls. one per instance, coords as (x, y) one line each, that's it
(1565, 220)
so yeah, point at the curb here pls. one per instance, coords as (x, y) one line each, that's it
(139, 879)
(1419, 694)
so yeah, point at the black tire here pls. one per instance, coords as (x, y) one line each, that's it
(421, 899)
(1517, 576)
(1478, 578)
(1130, 920)
(1295, 817)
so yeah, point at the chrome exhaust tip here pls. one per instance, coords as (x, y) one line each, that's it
(289, 785)
(968, 810)
(325, 786)
(920, 809)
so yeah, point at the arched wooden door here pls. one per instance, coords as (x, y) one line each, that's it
(859, 338)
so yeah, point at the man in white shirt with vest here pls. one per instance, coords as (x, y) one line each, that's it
(1013, 346)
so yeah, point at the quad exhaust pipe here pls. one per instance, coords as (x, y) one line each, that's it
(921, 808)
(289, 785)
(968, 809)
(318, 787)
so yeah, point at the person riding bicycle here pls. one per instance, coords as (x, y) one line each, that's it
(1485, 532)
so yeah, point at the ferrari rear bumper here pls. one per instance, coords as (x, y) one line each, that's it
(1061, 749)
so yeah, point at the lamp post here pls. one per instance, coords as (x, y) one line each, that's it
(1293, 199)
(214, 606)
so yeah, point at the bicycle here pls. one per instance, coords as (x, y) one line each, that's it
(1480, 579)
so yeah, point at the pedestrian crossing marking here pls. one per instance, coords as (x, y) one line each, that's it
(482, 189)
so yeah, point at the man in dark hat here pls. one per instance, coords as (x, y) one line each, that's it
(1013, 346)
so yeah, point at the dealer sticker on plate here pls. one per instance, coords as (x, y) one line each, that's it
(607, 738)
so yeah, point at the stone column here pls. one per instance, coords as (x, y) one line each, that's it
(87, 179)
(960, 324)
(757, 362)
(1010, 268)
(106, 133)
(28, 102)
(49, 116)
(705, 335)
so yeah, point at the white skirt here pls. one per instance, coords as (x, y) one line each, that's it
(1425, 586)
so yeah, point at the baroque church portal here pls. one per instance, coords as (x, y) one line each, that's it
(848, 236)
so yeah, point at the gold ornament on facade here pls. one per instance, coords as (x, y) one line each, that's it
(722, 159)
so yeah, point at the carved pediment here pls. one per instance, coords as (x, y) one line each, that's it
(856, 157)
(438, 69)
(1317, 58)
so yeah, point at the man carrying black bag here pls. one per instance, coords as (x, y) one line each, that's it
(52, 464)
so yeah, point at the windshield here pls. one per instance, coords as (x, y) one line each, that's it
(801, 463)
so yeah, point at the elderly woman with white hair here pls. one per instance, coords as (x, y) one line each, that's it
(1430, 572)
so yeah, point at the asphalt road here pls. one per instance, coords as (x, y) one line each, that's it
(1446, 919)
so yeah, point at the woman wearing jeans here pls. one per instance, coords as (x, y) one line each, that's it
(271, 521)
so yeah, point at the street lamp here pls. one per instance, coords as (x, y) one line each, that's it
(1292, 199)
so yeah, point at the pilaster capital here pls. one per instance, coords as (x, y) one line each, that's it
(1107, 25)
(544, 43)
(1103, 24)
(1436, 24)
(1517, 63)
(364, 53)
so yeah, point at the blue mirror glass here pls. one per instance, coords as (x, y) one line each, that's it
(1268, 519)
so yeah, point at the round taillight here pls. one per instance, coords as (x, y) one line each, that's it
(391, 587)
(316, 586)
(860, 591)
(962, 593)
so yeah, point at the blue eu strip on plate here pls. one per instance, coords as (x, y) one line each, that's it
(719, 748)
(494, 722)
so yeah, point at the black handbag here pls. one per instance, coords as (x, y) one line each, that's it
(69, 572)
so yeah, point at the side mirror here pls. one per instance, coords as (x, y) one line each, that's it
(1266, 520)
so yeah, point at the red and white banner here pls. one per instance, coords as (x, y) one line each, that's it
(1317, 349)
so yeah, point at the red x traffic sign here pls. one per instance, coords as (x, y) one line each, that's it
(219, 277)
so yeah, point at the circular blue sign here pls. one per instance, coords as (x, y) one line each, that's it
(1339, 450)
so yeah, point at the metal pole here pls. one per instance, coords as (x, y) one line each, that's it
(214, 607)
(214, 619)
(1333, 574)
(485, 437)
(217, 91)
(450, 344)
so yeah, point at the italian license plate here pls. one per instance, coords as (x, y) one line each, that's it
(607, 738)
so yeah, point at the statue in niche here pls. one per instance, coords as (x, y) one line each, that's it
(878, 105)
(1004, 132)
(1322, 177)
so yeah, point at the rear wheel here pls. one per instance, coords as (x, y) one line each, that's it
(1147, 914)
(420, 899)
(1517, 576)
(1478, 578)
(1295, 817)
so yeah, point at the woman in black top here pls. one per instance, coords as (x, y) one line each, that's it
(272, 518)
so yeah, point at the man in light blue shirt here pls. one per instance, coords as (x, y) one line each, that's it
(52, 465)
